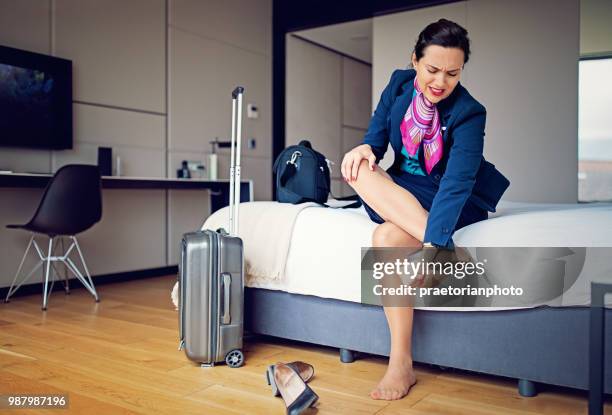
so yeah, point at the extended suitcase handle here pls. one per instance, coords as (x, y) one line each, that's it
(227, 291)
(234, 197)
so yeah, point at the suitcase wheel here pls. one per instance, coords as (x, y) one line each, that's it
(235, 358)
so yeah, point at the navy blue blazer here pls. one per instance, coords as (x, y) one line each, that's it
(462, 173)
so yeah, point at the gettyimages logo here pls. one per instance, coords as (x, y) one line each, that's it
(481, 276)
(458, 269)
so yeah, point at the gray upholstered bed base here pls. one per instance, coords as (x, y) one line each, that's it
(547, 345)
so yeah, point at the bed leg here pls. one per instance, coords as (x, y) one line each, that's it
(347, 356)
(527, 388)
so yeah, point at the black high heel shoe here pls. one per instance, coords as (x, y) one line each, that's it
(297, 395)
(305, 370)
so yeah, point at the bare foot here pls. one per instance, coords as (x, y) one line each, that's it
(396, 383)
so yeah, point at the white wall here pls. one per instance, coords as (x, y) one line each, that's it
(327, 101)
(152, 79)
(523, 69)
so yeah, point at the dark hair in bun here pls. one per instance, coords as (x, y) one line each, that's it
(443, 33)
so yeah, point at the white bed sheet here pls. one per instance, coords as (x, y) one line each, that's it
(325, 253)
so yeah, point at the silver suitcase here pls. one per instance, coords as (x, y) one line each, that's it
(211, 277)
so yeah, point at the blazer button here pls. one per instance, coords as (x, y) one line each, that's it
(445, 230)
(437, 177)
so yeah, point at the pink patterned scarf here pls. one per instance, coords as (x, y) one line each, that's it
(422, 122)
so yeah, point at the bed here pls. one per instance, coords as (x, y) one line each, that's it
(317, 300)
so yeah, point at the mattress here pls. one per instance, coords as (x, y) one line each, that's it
(324, 257)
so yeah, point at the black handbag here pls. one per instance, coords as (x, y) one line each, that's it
(302, 175)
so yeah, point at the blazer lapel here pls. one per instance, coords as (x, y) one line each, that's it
(398, 110)
(445, 113)
(446, 106)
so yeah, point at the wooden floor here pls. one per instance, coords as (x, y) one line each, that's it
(120, 356)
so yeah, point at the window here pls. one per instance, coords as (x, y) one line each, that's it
(595, 130)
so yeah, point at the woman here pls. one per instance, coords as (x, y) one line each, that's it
(439, 181)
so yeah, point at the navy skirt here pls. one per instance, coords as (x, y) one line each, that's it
(425, 190)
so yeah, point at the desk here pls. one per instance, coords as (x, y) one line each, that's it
(219, 189)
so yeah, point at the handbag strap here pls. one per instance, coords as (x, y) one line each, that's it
(355, 204)
(288, 172)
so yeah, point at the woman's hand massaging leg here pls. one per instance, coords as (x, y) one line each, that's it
(392, 202)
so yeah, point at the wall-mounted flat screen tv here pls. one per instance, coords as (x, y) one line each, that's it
(35, 100)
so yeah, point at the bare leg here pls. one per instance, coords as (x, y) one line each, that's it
(404, 218)
(400, 376)
(392, 202)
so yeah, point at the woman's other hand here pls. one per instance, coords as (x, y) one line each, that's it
(352, 160)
